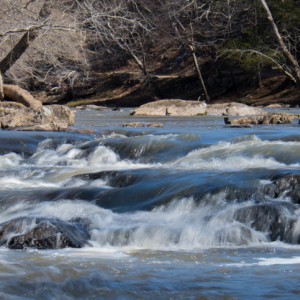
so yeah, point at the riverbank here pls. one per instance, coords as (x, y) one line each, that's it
(128, 90)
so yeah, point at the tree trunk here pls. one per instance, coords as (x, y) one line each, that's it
(1, 87)
(291, 59)
(207, 97)
(22, 45)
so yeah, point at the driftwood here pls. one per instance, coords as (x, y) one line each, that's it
(17, 94)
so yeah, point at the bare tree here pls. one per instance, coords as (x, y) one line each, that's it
(121, 24)
(295, 68)
(45, 42)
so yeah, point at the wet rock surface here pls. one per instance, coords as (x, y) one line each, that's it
(269, 119)
(43, 233)
(286, 186)
(141, 124)
(275, 219)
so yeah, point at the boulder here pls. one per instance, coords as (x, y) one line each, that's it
(277, 105)
(171, 108)
(50, 118)
(288, 186)
(262, 120)
(42, 233)
(233, 109)
(275, 219)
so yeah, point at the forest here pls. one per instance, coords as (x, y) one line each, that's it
(130, 52)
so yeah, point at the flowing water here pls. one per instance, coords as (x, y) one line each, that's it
(177, 212)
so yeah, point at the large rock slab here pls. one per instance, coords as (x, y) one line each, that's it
(42, 233)
(171, 108)
(233, 109)
(195, 108)
(50, 118)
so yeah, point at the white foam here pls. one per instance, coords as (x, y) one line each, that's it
(263, 262)
(240, 155)
(10, 161)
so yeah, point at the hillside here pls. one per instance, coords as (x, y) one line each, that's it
(131, 52)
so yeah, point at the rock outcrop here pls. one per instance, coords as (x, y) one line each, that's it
(50, 118)
(24, 112)
(262, 120)
(195, 108)
(171, 108)
(42, 233)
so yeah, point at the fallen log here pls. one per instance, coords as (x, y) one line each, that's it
(19, 95)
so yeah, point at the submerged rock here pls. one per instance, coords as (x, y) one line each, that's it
(140, 124)
(275, 219)
(42, 233)
(286, 186)
(114, 178)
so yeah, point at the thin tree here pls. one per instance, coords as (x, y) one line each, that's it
(295, 68)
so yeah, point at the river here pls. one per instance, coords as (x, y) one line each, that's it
(180, 212)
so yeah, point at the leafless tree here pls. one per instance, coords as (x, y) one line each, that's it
(202, 26)
(294, 70)
(122, 24)
(40, 38)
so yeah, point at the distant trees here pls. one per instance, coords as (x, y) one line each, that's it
(44, 41)
(270, 37)
(122, 24)
(40, 39)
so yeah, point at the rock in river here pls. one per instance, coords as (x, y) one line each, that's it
(195, 108)
(42, 233)
(172, 107)
(262, 120)
(49, 118)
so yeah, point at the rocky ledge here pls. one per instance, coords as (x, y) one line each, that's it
(21, 111)
(48, 118)
(195, 108)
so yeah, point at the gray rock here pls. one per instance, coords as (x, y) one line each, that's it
(275, 219)
(288, 186)
(268, 119)
(42, 233)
